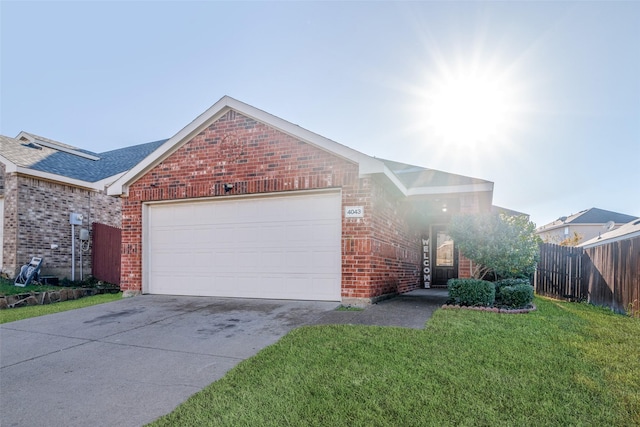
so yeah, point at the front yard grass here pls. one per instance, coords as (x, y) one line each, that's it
(564, 364)
(8, 288)
(13, 314)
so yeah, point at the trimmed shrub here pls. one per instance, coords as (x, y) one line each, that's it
(471, 292)
(517, 296)
(507, 282)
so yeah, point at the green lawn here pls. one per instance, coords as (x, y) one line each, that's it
(564, 364)
(8, 288)
(13, 314)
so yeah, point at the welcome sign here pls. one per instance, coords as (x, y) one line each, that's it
(426, 264)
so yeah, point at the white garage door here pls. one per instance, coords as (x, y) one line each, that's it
(284, 247)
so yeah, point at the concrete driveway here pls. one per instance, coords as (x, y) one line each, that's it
(128, 362)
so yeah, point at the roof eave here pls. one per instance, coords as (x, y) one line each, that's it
(588, 244)
(9, 166)
(97, 186)
(451, 189)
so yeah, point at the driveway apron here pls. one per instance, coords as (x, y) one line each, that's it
(128, 362)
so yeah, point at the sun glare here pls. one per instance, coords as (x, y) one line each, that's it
(469, 108)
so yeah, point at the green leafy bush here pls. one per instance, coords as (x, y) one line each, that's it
(507, 282)
(471, 292)
(516, 296)
(498, 245)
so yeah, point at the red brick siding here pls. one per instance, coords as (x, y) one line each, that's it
(391, 257)
(356, 242)
(255, 158)
(464, 267)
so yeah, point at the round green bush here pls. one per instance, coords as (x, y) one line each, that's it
(471, 292)
(517, 296)
(507, 282)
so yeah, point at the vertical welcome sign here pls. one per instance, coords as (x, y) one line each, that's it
(426, 264)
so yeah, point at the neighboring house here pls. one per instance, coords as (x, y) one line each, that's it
(42, 182)
(627, 231)
(241, 203)
(587, 224)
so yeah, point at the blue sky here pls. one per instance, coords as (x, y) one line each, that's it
(103, 75)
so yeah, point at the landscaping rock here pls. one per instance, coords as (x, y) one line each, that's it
(3, 303)
(12, 299)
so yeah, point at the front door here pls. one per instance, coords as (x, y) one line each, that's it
(445, 256)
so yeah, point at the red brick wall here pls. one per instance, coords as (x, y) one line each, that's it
(237, 150)
(395, 255)
(380, 254)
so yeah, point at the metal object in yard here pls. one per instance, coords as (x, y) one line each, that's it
(28, 272)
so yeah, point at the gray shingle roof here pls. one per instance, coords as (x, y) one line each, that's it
(413, 176)
(46, 159)
(589, 216)
(600, 216)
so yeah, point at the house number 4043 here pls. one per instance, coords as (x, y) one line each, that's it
(353, 212)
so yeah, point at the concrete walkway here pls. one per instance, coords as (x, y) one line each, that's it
(410, 310)
(128, 362)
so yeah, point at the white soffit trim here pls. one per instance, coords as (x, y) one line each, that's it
(470, 188)
(610, 240)
(367, 164)
(9, 166)
(98, 186)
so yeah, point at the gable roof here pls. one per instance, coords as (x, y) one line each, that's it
(417, 182)
(35, 155)
(627, 231)
(418, 179)
(592, 216)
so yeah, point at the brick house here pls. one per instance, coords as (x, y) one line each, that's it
(41, 183)
(241, 203)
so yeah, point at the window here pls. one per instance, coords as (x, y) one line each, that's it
(444, 250)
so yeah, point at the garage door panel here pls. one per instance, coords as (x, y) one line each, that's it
(281, 247)
(324, 232)
(270, 261)
(298, 262)
(245, 234)
(324, 259)
(299, 233)
(268, 234)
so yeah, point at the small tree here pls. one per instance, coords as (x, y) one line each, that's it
(504, 245)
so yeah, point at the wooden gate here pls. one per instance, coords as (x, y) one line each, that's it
(559, 272)
(105, 253)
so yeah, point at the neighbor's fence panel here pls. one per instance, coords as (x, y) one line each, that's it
(106, 253)
(612, 274)
(559, 272)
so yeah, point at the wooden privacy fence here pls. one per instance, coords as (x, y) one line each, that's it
(105, 253)
(559, 272)
(607, 275)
